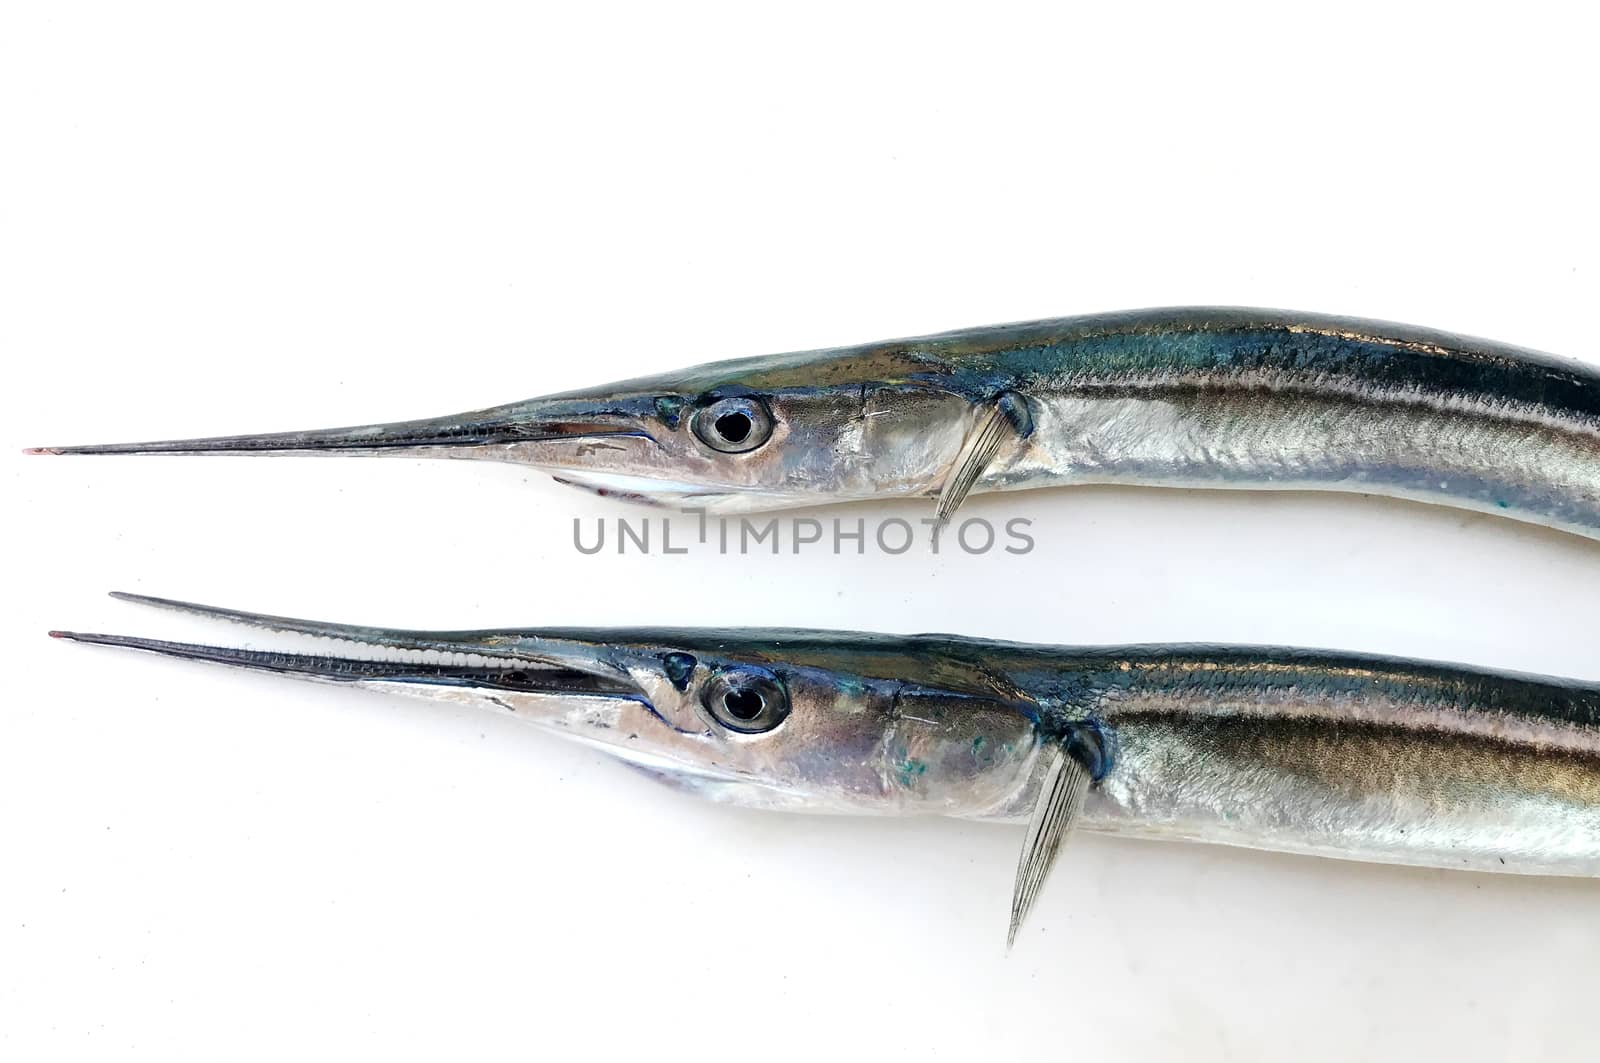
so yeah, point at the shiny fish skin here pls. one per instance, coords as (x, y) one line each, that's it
(1357, 757)
(1246, 399)
(1186, 397)
(1334, 754)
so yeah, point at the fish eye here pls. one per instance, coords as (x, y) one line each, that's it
(746, 701)
(733, 425)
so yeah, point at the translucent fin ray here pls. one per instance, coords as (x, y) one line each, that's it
(1006, 417)
(1060, 802)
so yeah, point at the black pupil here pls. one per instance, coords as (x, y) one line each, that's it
(743, 704)
(734, 426)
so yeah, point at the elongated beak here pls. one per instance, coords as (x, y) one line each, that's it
(559, 670)
(508, 433)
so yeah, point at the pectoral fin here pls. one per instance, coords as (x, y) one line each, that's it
(1061, 796)
(1005, 417)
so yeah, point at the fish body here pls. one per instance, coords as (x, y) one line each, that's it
(1353, 756)
(1187, 397)
(1343, 755)
(1258, 400)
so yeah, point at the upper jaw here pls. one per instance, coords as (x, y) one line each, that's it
(487, 661)
(499, 431)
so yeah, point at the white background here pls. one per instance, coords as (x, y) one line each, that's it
(226, 220)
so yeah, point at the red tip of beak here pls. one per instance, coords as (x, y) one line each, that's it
(41, 450)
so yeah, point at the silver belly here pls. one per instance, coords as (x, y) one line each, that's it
(1362, 775)
(1514, 462)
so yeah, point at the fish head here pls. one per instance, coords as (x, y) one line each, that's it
(833, 722)
(756, 434)
(836, 722)
(735, 436)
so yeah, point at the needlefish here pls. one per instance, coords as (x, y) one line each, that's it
(1301, 751)
(1197, 398)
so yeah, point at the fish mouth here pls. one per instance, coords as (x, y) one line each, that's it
(562, 671)
(498, 432)
(578, 683)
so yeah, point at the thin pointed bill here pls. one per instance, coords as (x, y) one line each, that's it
(503, 432)
(558, 671)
